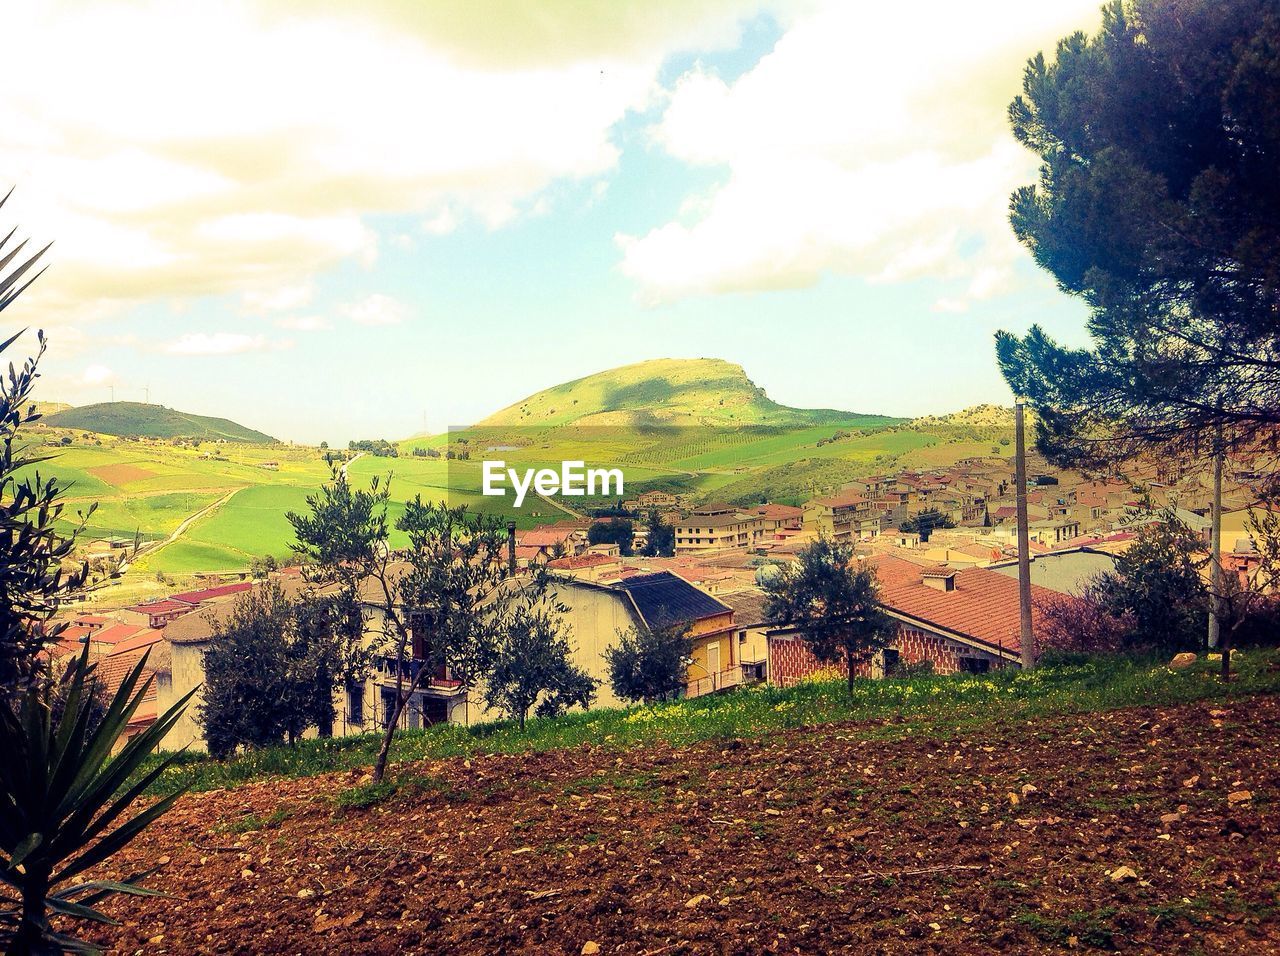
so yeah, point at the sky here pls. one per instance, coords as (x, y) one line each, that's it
(333, 221)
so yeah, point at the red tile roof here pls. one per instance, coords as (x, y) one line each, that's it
(75, 633)
(581, 561)
(983, 606)
(843, 500)
(113, 669)
(143, 638)
(117, 633)
(545, 537)
(778, 511)
(209, 594)
(161, 606)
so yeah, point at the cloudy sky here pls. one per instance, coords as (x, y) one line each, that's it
(331, 223)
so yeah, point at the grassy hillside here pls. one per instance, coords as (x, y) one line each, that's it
(152, 421)
(697, 427)
(686, 392)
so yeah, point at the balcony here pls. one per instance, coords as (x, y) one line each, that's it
(384, 672)
(714, 683)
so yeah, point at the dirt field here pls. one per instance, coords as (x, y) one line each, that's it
(120, 474)
(846, 837)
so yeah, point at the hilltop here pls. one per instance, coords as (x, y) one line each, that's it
(685, 392)
(976, 416)
(152, 421)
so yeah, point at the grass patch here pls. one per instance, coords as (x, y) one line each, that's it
(251, 822)
(937, 706)
(371, 794)
(1092, 928)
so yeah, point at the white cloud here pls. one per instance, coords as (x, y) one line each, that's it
(304, 323)
(376, 309)
(871, 141)
(96, 375)
(177, 151)
(220, 343)
(279, 299)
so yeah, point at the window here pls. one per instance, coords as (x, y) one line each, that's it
(974, 665)
(355, 705)
(889, 657)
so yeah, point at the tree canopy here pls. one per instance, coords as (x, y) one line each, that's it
(1158, 205)
(830, 602)
(649, 664)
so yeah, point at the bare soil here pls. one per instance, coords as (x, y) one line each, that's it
(853, 837)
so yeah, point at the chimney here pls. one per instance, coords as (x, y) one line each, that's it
(940, 579)
(511, 547)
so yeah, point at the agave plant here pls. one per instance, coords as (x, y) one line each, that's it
(61, 794)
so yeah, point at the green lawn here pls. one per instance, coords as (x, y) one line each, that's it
(938, 706)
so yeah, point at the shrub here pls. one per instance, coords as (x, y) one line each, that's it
(60, 794)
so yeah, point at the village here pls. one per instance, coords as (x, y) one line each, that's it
(942, 544)
(640, 478)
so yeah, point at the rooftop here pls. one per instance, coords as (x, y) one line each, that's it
(983, 606)
(665, 599)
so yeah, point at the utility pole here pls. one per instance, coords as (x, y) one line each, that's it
(1215, 551)
(1026, 638)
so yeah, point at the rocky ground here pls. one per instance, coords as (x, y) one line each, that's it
(1140, 830)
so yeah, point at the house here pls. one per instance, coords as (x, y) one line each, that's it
(751, 630)
(588, 567)
(962, 621)
(774, 518)
(656, 499)
(1068, 571)
(103, 641)
(114, 668)
(716, 531)
(596, 614)
(212, 593)
(850, 515)
(663, 600)
(554, 540)
(360, 708)
(155, 613)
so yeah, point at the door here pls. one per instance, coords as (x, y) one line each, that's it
(713, 660)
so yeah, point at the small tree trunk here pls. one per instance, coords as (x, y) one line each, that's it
(1214, 638)
(848, 666)
(27, 940)
(324, 685)
(1226, 656)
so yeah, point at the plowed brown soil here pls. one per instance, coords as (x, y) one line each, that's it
(838, 838)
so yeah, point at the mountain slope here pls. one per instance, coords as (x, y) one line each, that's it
(152, 421)
(665, 391)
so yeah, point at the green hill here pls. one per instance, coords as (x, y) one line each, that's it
(152, 421)
(683, 392)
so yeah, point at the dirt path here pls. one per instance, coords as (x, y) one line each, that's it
(350, 461)
(188, 522)
(563, 507)
(863, 838)
(154, 493)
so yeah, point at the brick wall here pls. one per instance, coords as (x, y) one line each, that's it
(790, 659)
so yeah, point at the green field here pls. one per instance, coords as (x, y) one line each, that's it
(697, 427)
